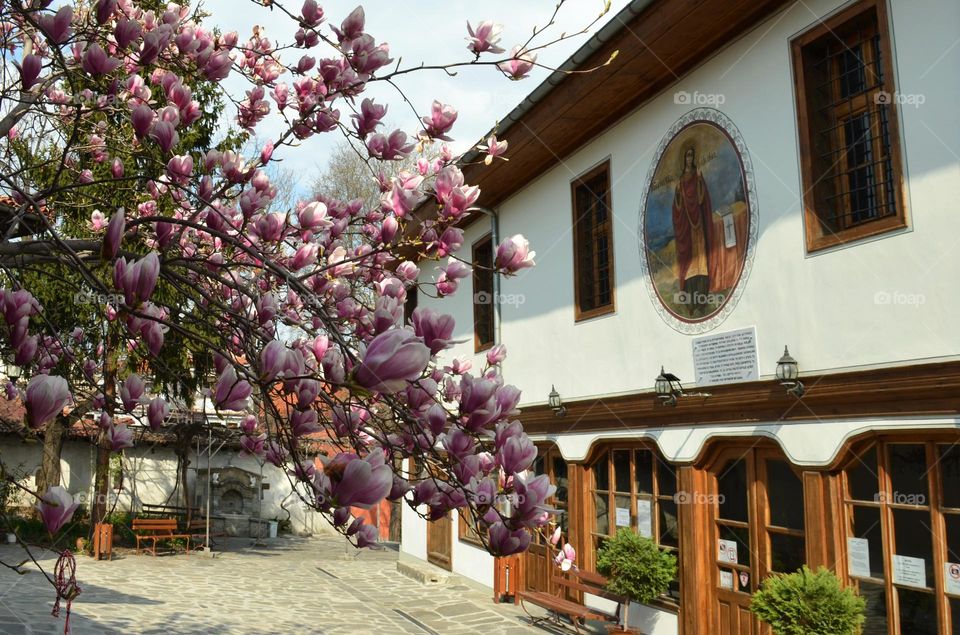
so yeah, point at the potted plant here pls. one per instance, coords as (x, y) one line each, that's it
(808, 603)
(637, 569)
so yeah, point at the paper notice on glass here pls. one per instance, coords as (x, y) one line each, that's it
(858, 557)
(623, 517)
(951, 578)
(728, 551)
(726, 579)
(909, 571)
(645, 518)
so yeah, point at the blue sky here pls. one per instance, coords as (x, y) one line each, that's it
(427, 31)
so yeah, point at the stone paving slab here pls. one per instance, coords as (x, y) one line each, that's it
(291, 585)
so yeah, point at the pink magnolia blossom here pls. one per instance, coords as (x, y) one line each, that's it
(484, 38)
(97, 62)
(118, 437)
(46, 396)
(520, 63)
(440, 121)
(111, 241)
(30, 70)
(496, 354)
(365, 482)
(56, 508)
(494, 149)
(514, 254)
(132, 392)
(392, 359)
(157, 412)
(231, 393)
(504, 542)
(566, 556)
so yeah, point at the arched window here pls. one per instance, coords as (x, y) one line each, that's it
(902, 504)
(635, 488)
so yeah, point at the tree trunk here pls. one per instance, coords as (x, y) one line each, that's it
(184, 451)
(53, 436)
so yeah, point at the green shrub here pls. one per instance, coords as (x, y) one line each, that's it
(808, 603)
(636, 566)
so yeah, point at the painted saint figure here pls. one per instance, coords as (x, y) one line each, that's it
(693, 231)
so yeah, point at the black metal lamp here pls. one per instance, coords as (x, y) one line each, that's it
(788, 372)
(668, 388)
(556, 404)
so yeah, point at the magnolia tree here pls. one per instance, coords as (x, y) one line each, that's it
(299, 312)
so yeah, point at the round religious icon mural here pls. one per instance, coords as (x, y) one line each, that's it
(698, 221)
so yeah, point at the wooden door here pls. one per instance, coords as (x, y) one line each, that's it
(440, 542)
(758, 529)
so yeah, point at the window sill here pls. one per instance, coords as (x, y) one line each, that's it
(583, 316)
(854, 235)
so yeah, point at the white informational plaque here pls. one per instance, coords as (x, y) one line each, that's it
(858, 557)
(728, 551)
(623, 517)
(645, 518)
(909, 571)
(726, 358)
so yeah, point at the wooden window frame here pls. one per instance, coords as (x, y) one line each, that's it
(817, 236)
(467, 532)
(886, 504)
(665, 601)
(478, 346)
(579, 314)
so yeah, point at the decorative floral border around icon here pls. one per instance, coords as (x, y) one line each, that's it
(717, 118)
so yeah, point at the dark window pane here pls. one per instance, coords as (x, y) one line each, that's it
(560, 478)
(953, 537)
(601, 473)
(603, 514)
(785, 493)
(741, 536)
(669, 524)
(788, 553)
(666, 478)
(955, 613)
(918, 612)
(866, 524)
(621, 470)
(862, 476)
(950, 474)
(850, 71)
(644, 464)
(876, 598)
(483, 312)
(908, 474)
(913, 538)
(732, 484)
(538, 465)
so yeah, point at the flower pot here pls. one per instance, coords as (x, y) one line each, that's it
(11, 538)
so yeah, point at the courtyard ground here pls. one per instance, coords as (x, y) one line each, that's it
(291, 585)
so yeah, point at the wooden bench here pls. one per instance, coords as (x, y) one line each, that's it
(154, 529)
(572, 582)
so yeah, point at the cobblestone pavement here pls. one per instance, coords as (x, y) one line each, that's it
(292, 585)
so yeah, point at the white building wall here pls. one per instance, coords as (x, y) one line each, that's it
(830, 307)
(827, 306)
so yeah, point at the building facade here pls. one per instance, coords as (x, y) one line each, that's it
(745, 176)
